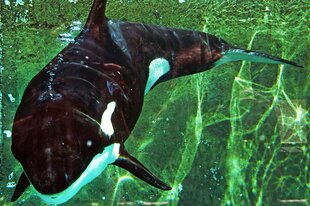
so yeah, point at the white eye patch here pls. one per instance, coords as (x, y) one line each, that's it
(106, 123)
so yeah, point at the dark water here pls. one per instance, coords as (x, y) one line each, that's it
(235, 135)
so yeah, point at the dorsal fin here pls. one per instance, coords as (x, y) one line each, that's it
(97, 13)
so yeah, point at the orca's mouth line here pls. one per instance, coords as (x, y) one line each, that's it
(87, 116)
(23, 119)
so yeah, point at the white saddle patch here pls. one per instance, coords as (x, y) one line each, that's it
(106, 123)
(94, 169)
(158, 67)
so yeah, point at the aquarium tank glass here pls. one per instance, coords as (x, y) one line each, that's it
(237, 134)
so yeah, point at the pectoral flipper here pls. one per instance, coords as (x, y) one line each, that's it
(132, 165)
(22, 185)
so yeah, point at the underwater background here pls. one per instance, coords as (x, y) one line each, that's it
(234, 135)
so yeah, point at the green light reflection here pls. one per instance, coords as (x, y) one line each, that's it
(236, 135)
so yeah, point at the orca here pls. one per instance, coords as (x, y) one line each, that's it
(77, 112)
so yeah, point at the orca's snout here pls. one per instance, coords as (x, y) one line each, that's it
(50, 182)
(54, 147)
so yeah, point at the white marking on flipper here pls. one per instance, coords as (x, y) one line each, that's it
(94, 169)
(106, 123)
(158, 67)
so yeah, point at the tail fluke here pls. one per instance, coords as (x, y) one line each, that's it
(234, 54)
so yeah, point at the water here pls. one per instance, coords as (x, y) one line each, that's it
(235, 135)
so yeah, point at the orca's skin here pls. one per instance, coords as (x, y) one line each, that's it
(78, 111)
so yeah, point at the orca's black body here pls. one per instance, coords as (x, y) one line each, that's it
(89, 97)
